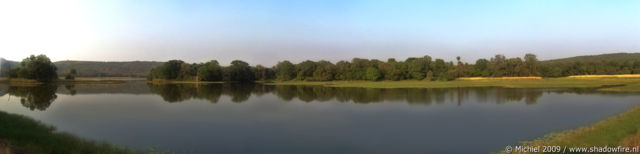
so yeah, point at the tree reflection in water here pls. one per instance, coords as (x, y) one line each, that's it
(40, 97)
(242, 92)
(35, 97)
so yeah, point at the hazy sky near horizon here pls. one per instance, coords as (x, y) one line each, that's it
(268, 31)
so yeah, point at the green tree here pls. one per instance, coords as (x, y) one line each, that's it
(324, 71)
(498, 66)
(240, 71)
(416, 68)
(13, 73)
(187, 72)
(71, 75)
(169, 70)
(262, 73)
(285, 71)
(429, 76)
(399, 71)
(38, 68)
(372, 74)
(305, 70)
(358, 68)
(210, 71)
(342, 70)
(514, 67)
(481, 68)
(462, 70)
(439, 67)
(531, 63)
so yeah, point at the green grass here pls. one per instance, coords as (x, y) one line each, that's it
(620, 130)
(25, 135)
(629, 87)
(628, 84)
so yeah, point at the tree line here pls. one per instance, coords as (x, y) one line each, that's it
(413, 68)
(425, 68)
(238, 71)
(39, 68)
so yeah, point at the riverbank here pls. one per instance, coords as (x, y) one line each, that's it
(79, 80)
(619, 130)
(21, 134)
(609, 84)
(162, 81)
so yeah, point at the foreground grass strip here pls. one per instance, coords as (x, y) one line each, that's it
(620, 130)
(25, 135)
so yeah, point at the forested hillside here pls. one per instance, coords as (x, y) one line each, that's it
(93, 68)
(107, 69)
(6, 65)
(601, 57)
(616, 63)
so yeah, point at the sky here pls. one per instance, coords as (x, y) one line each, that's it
(267, 31)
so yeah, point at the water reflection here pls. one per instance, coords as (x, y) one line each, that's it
(71, 88)
(241, 92)
(40, 97)
(180, 92)
(35, 97)
(294, 119)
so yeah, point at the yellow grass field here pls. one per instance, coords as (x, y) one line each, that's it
(606, 76)
(500, 78)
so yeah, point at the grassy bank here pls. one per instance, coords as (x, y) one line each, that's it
(20, 134)
(80, 80)
(162, 81)
(620, 130)
(626, 84)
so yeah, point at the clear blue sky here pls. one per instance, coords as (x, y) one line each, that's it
(264, 32)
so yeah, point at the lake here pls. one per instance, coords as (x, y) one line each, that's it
(255, 118)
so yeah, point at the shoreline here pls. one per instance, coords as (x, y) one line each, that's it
(619, 130)
(604, 84)
(92, 80)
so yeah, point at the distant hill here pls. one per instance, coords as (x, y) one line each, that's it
(93, 68)
(5, 65)
(107, 69)
(602, 57)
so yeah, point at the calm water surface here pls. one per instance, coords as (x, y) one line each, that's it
(235, 118)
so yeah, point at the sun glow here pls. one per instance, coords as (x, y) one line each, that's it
(56, 28)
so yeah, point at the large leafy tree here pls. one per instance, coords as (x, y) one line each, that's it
(38, 68)
(285, 71)
(416, 68)
(372, 74)
(240, 71)
(498, 66)
(169, 70)
(481, 68)
(262, 73)
(325, 71)
(305, 70)
(531, 63)
(210, 71)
